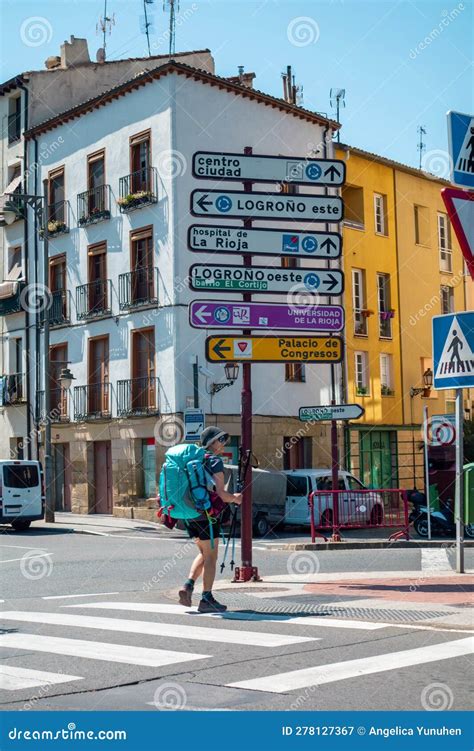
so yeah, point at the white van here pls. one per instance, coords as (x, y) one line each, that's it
(354, 506)
(21, 493)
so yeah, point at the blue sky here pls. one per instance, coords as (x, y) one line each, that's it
(403, 64)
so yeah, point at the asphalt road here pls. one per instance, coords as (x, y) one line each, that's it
(90, 622)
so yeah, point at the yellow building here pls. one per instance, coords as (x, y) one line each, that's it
(403, 266)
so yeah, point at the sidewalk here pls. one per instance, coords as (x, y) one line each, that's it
(105, 524)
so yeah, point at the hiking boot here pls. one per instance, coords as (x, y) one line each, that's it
(185, 595)
(210, 605)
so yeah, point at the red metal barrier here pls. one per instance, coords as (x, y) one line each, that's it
(360, 509)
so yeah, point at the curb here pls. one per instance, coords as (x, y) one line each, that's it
(369, 545)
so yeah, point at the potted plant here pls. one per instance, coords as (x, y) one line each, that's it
(135, 199)
(386, 390)
(367, 313)
(361, 390)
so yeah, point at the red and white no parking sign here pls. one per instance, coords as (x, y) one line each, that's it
(440, 430)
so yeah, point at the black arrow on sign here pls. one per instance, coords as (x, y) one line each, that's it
(328, 244)
(218, 349)
(202, 203)
(332, 282)
(333, 171)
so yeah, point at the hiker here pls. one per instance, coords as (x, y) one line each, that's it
(214, 441)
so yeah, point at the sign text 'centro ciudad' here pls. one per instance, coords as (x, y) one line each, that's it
(254, 315)
(257, 168)
(228, 278)
(210, 238)
(308, 349)
(292, 208)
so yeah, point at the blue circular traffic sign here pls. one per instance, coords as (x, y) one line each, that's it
(223, 204)
(313, 171)
(309, 244)
(222, 314)
(312, 281)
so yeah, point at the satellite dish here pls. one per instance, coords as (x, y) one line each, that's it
(100, 55)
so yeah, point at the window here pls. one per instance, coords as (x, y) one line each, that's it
(57, 285)
(447, 299)
(143, 369)
(444, 243)
(358, 302)
(325, 483)
(383, 298)
(140, 162)
(96, 181)
(354, 483)
(386, 374)
(295, 372)
(297, 452)
(58, 396)
(56, 196)
(97, 278)
(14, 119)
(141, 262)
(20, 476)
(361, 362)
(380, 214)
(14, 263)
(353, 198)
(98, 396)
(422, 225)
(297, 485)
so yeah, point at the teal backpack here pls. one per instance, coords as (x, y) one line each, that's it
(185, 483)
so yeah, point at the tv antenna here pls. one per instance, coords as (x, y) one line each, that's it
(337, 101)
(421, 130)
(146, 23)
(172, 6)
(104, 27)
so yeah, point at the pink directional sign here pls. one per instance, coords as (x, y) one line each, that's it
(206, 314)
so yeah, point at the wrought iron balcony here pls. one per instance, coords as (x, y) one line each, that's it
(94, 299)
(14, 127)
(12, 303)
(138, 396)
(58, 219)
(92, 402)
(13, 389)
(139, 287)
(138, 189)
(58, 407)
(93, 205)
(58, 310)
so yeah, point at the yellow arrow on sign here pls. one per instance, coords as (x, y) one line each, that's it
(274, 349)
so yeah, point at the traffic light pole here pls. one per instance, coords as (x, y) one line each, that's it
(246, 571)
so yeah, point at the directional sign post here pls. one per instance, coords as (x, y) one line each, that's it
(460, 207)
(461, 148)
(229, 278)
(274, 349)
(206, 314)
(212, 165)
(281, 207)
(211, 238)
(453, 367)
(331, 412)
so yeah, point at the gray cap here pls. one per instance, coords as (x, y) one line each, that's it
(211, 434)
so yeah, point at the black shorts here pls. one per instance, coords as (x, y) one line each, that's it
(201, 528)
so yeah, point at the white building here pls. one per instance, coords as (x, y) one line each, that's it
(118, 174)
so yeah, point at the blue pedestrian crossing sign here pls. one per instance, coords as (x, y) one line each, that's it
(453, 351)
(461, 148)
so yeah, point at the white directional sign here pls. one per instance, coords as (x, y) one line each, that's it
(223, 278)
(209, 238)
(289, 208)
(212, 165)
(331, 412)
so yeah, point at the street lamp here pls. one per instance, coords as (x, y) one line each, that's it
(66, 378)
(425, 391)
(231, 370)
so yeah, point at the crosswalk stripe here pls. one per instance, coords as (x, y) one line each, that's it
(310, 620)
(338, 671)
(14, 678)
(172, 630)
(96, 650)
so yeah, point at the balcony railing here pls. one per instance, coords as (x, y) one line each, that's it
(94, 299)
(13, 303)
(93, 205)
(138, 189)
(139, 287)
(92, 402)
(138, 396)
(13, 389)
(59, 309)
(58, 406)
(14, 200)
(14, 127)
(58, 219)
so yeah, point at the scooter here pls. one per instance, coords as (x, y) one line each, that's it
(442, 523)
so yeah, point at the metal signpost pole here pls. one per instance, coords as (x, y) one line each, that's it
(335, 465)
(427, 470)
(246, 572)
(459, 487)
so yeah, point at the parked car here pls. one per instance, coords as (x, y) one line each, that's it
(21, 493)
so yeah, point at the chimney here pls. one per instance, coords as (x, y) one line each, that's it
(74, 52)
(244, 79)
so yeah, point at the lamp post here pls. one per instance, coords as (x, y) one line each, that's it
(231, 370)
(425, 391)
